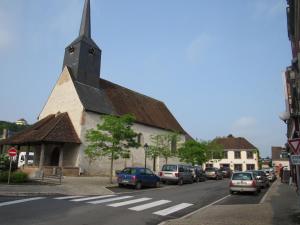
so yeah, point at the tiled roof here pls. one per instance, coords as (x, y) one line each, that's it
(231, 142)
(114, 99)
(53, 128)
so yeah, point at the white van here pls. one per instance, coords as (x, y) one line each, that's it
(22, 157)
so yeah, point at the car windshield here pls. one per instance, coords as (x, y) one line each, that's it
(169, 168)
(129, 171)
(242, 176)
(210, 169)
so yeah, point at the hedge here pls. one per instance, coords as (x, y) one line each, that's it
(15, 177)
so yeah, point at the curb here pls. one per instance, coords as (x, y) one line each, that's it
(24, 194)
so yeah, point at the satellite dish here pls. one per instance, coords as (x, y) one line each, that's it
(284, 116)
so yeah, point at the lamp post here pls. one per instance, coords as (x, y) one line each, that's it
(146, 147)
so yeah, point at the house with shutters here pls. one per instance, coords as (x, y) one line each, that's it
(239, 154)
(76, 103)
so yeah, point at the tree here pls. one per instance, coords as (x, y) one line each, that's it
(193, 152)
(199, 152)
(113, 138)
(163, 145)
(169, 145)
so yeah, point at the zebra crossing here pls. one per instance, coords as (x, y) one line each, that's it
(141, 204)
(133, 203)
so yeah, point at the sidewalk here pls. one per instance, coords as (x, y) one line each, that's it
(69, 186)
(281, 206)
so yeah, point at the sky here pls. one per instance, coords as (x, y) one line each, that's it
(217, 65)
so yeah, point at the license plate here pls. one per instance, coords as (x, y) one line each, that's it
(125, 181)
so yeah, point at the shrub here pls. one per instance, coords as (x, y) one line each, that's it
(3, 176)
(18, 177)
(15, 177)
(5, 161)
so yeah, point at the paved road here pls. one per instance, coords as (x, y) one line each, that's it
(149, 206)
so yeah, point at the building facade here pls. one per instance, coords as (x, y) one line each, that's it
(239, 154)
(291, 78)
(78, 102)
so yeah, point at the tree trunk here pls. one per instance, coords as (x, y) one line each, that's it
(166, 160)
(154, 163)
(111, 167)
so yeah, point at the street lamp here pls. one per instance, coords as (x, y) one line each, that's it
(146, 147)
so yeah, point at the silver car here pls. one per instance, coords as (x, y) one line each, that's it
(176, 173)
(243, 182)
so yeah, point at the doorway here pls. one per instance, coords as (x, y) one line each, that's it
(54, 157)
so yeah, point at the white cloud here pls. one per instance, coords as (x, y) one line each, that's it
(198, 48)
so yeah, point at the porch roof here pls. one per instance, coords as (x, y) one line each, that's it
(53, 128)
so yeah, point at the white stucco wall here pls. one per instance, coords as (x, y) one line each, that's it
(231, 160)
(137, 156)
(64, 98)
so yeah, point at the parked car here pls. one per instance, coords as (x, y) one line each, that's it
(213, 173)
(138, 177)
(176, 173)
(270, 174)
(261, 177)
(226, 172)
(198, 173)
(243, 182)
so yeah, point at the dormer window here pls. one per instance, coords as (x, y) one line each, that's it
(92, 51)
(71, 49)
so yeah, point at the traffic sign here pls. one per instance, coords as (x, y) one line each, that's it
(295, 145)
(12, 152)
(295, 159)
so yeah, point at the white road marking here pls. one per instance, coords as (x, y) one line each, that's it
(110, 200)
(20, 201)
(149, 205)
(172, 209)
(129, 202)
(91, 198)
(67, 197)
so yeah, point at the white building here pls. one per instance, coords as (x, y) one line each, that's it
(77, 102)
(239, 154)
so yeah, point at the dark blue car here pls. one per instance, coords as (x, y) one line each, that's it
(138, 177)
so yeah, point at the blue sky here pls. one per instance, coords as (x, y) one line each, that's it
(216, 64)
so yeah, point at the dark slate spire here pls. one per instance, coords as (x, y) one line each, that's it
(83, 56)
(85, 28)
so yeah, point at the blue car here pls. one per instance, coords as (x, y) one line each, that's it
(138, 177)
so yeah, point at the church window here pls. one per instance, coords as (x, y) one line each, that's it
(92, 51)
(71, 49)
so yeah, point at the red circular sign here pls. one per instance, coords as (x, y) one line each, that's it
(12, 152)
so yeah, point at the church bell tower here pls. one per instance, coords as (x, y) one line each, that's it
(83, 56)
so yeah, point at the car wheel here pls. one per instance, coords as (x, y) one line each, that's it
(138, 185)
(164, 182)
(255, 192)
(121, 185)
(231, 192)
(157, 184)
(180, 182)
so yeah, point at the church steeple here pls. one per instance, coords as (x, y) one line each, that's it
(83, 56)
(85, 28)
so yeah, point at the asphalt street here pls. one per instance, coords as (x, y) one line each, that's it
(132, 207)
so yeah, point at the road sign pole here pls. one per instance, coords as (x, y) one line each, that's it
(9, 170)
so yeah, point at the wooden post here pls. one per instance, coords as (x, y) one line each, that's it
(27, 155)
(61, 156)
(42, 156)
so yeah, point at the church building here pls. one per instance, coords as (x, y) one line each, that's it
(78, 100)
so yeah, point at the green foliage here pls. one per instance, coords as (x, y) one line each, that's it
(161, 145)
(10, 126)
(5, 161)
(195, 152)
(112, 138)
(18, 177)
(15, 177)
